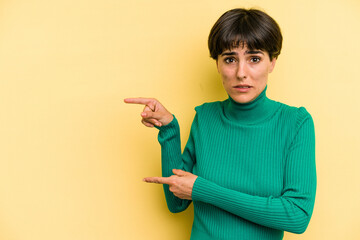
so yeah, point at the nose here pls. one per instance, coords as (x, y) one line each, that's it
(241, 72)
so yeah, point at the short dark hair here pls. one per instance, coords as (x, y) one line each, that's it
(240, 26)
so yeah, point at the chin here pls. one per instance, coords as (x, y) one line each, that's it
(242, 99)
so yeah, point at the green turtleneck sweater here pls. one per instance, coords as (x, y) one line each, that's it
(255, 164)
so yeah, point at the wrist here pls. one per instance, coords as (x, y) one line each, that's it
(168, 120)
(170, 125)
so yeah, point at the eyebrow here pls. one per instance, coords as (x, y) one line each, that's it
(247, 52)
(228, 54)
(254, 52)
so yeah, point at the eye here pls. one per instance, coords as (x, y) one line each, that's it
(255, 59)
(229, 60)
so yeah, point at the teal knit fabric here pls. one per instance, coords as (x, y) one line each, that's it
(255, 164)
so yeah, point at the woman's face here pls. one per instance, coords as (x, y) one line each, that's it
(244, 72)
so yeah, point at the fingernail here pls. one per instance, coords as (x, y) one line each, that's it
(143, 114)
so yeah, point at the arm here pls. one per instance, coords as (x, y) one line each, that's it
(180, 184)
(289, 212)
(171, 158)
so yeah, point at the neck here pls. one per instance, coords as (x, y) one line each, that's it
(252, 112)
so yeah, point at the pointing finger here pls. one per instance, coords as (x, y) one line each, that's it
(158, 180)
(144, 101)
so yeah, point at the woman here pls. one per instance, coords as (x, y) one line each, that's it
(249, 163)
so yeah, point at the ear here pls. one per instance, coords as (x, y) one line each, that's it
(272, 65)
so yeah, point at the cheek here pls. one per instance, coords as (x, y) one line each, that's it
(260, 75)
(225, 79)
(226, 74)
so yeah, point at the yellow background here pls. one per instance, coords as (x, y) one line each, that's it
(72, 154)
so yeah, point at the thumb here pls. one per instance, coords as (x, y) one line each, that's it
(179, 172)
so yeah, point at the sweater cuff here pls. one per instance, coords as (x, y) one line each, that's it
(170, 129)
(169, 125)
(203, 189)
(209, 192)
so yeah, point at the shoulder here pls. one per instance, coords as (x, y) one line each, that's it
(208, 108)
(208, 114)
(295, 115)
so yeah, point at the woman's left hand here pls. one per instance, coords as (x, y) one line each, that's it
(181, 184)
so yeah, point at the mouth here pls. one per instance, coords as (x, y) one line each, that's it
(243, 86)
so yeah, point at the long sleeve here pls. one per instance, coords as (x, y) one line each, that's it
(171, 158)
(289, 212)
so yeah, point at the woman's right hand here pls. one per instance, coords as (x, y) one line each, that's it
(154, 113)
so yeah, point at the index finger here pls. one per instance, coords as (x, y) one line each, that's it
(158, 180)
(144, 101)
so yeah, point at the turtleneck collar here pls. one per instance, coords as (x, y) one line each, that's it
(252, 112)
